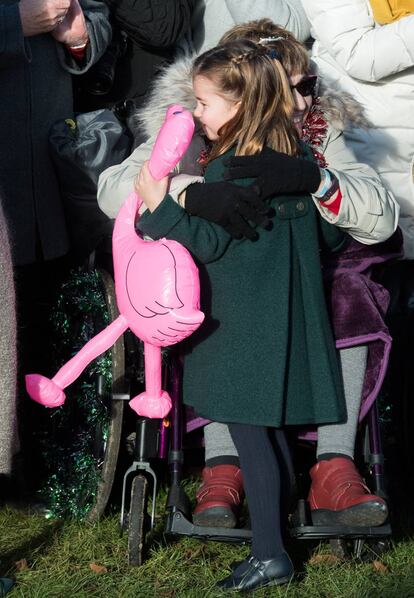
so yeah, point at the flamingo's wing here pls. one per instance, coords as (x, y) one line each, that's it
(173, 329)
(151, 281)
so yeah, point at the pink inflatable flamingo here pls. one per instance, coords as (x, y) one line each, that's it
(156, 284)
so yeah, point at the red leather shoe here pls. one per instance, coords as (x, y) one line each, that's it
(339, 496)
(219, 497)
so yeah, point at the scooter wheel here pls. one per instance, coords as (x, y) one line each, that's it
(137, 520)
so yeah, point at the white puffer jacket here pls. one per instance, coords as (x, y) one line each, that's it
(375, 64)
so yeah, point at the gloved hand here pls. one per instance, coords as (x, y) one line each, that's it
(232, 207)
(276, 173)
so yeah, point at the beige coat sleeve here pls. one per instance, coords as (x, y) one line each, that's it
(116, 182)
(368, 212)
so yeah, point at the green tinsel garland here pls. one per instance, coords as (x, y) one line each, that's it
(75, 437)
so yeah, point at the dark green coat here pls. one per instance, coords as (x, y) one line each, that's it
(265, 353)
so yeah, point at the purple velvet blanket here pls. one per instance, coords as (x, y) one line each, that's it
(357, 304)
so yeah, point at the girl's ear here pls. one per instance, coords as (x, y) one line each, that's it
(236, 107)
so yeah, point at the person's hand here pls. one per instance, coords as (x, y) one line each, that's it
(72, 30)
(151, 191)
(41, 16)
(237, 209)
(276, 173)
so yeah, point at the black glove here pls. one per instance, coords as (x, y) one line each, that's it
(232, 207)
(276, 173)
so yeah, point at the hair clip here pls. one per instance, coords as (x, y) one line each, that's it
(266, 40)
(273, 54)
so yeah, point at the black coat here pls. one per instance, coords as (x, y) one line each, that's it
(35, 91)
(151, 28)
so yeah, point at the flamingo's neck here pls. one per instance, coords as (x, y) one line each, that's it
(125, 221)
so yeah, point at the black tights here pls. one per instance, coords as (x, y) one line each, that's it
(258, 448)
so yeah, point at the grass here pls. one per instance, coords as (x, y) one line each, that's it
(56, 559)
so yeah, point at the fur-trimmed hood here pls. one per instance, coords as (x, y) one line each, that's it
(174, 86)
(341, 110)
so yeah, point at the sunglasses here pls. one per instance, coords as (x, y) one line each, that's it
(306, 86)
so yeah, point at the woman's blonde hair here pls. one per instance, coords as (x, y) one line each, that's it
(244, 72)
(291, 53)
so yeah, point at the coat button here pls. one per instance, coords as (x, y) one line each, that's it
(300, 206)
(281, 209)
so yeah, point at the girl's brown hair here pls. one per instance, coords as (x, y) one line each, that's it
(291, 53)
(244, 72)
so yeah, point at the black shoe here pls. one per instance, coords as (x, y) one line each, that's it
(252, 574)
(6, 585)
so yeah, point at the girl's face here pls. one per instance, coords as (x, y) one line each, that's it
(302, 84)
(212, 110)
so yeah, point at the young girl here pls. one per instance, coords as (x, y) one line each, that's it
(265, 357)
(338, 494)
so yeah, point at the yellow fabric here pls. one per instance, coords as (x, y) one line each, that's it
(386, 11)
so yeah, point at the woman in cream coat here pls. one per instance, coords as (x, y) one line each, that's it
(368, 211)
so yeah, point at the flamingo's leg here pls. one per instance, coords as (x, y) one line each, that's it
(154, 402)
(50, 392)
